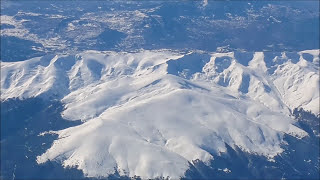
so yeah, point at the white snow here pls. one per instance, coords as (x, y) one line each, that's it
(153, 113)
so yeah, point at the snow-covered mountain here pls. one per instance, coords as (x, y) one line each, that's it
(155, 113)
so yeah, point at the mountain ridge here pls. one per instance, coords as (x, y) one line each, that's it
(171, 104)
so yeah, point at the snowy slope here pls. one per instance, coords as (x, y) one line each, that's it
(152, 113)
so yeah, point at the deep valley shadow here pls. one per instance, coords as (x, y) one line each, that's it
(21, 123)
